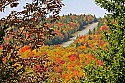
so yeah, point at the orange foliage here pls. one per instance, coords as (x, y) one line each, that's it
(80, 74)
(57, 69)
(70, 66)
(4, 60)
(82, 47)
(73, 57)
(58, 60)
(27, 35)
(22, 50)
(99, 62)
(103, 28)
(82, 37)
(64, 75)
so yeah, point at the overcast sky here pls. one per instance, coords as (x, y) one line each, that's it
(82, 6)
(71, 6)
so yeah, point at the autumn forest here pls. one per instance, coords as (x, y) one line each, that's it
(37, 45)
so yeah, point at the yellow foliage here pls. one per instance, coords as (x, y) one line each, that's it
(21, 29)
(82, 47)
(36, 52)
(18, 66)
(26, 54)
(1, 51)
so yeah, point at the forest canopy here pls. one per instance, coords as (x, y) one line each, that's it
(98, 57)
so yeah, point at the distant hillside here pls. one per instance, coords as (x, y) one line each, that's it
(67, 25)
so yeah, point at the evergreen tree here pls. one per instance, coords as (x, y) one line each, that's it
(90, 32)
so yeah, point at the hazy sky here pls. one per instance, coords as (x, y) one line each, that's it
(71, 6)
(82, 6)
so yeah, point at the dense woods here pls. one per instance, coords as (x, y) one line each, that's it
(30, 50)
(67, 25)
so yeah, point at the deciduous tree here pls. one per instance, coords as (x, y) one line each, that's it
(114, 56)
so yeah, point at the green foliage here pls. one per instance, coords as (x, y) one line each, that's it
(74, 64)
(68, 25)
(113, 70)
(90, 32)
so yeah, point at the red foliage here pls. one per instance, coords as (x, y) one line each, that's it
(99, 62)
(59, 61)
(103, 28)
(58, 69)
(82, 37)
(100, 42)
(64, 75)
(73, 57)
(92, 57)
(22, 50)
(58, 45)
